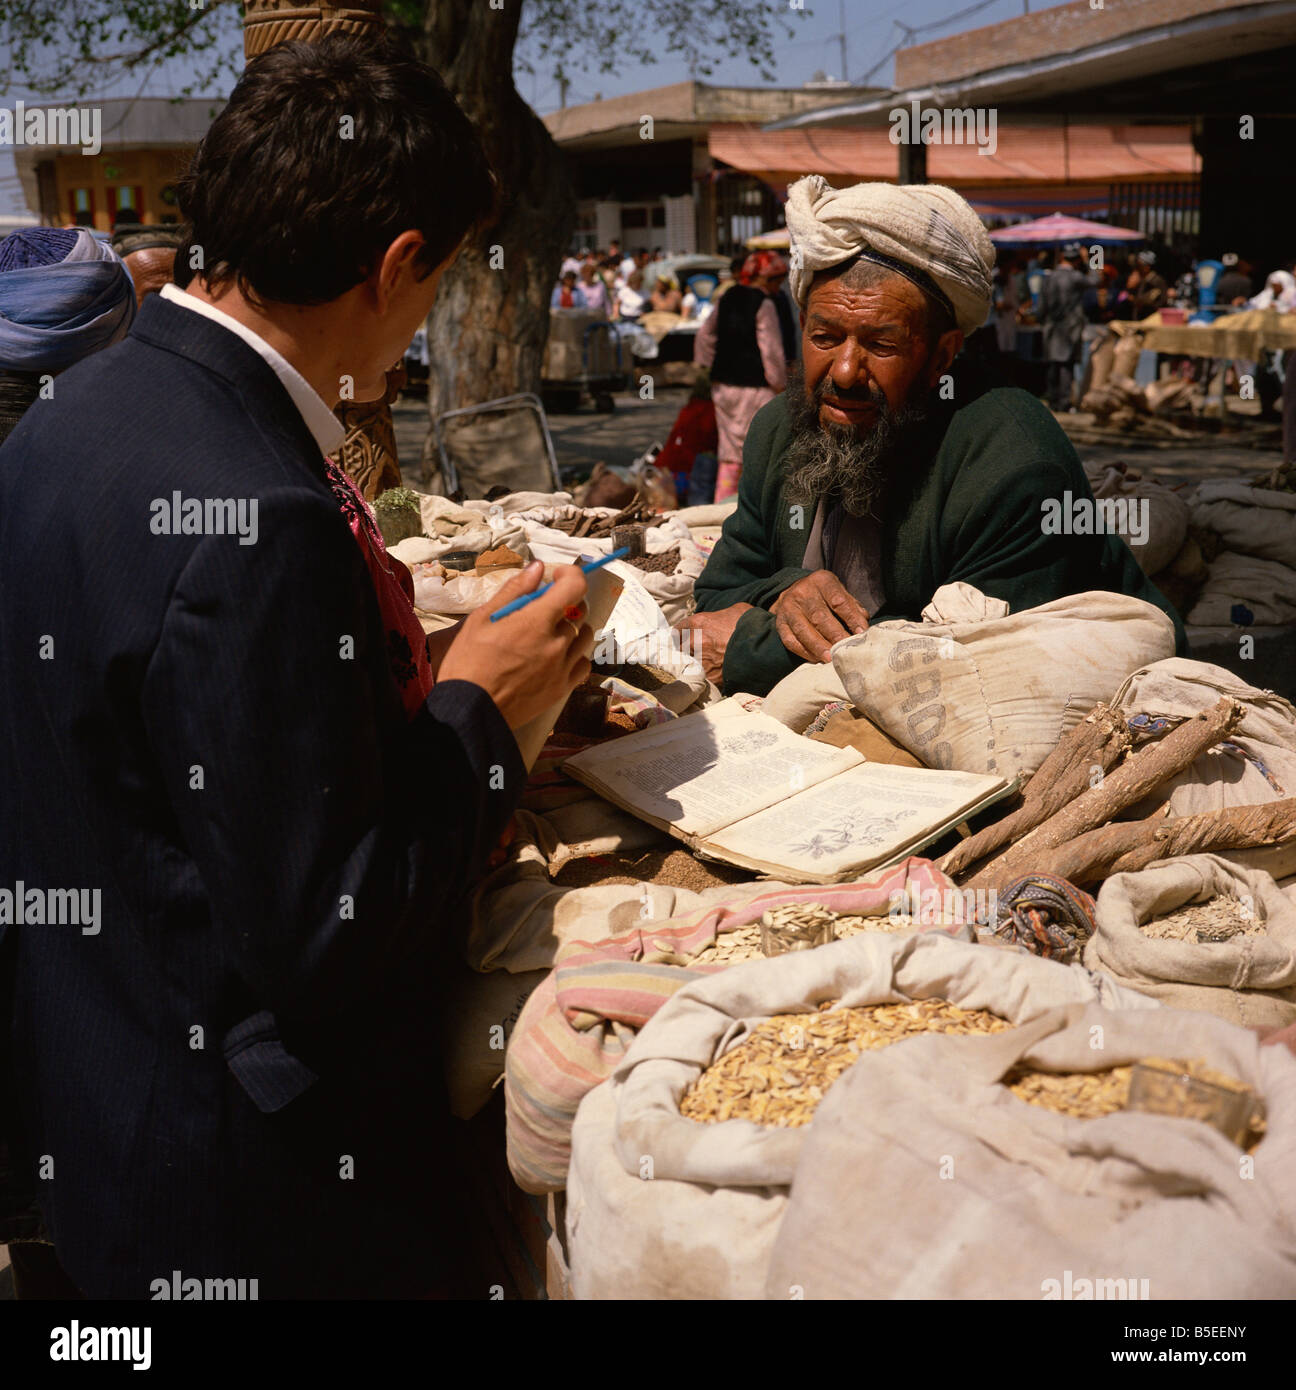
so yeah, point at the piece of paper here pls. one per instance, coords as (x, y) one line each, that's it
(603, 590)
(861, 818)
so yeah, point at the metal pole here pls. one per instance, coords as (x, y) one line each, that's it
(841, 9)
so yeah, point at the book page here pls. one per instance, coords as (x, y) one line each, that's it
(861, 818)
(705, 770)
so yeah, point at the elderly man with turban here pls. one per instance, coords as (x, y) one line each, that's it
(884, 470)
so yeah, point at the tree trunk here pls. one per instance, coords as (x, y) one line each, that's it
(487, 329)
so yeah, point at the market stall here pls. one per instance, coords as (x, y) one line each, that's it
(654, 1004)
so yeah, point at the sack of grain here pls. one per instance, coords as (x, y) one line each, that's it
(975, 688)
(924, 1177)
(1244, 591)
(576, 1027)
(1249, 520)
(1232, 953)
(1256, 765)
(1150, 518)
(670, 1237)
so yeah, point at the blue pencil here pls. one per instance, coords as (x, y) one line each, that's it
(585, 569)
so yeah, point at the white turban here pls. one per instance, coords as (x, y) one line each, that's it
(927, 232)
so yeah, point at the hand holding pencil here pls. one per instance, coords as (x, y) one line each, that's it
(538, 656)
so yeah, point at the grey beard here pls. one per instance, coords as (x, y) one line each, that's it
(822, 460)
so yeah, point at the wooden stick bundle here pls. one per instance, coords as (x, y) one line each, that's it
(1132, 780)
(1129, 845)
(1099, 740)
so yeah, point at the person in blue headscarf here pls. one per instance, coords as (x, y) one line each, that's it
(64, 294)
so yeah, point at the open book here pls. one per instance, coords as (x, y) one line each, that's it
(743, 788)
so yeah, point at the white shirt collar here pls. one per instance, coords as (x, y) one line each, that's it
(320, 420)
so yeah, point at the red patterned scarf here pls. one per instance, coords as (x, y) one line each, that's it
(394, 588)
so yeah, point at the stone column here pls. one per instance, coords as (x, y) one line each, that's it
(368, 453)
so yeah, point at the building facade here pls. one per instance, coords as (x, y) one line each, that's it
(145, 145)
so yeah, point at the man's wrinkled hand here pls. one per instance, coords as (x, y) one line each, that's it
(815, 612)
(716, 629)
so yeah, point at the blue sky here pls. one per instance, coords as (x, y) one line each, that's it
(871, 28)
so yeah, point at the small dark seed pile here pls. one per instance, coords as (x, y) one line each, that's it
(667, 562)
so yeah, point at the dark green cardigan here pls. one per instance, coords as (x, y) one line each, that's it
(971, 513)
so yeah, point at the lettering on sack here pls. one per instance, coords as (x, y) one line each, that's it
(920, 698)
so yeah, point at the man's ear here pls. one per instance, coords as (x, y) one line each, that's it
(947, 349)
(396, 265)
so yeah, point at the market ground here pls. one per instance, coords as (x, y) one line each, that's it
(586, 437)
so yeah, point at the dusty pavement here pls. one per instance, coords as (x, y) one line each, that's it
(582, 439)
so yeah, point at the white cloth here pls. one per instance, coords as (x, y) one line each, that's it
(630, 303)
(324, 426)
(926, 226)
(1285, 298)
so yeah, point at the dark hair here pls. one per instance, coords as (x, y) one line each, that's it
(325, 153)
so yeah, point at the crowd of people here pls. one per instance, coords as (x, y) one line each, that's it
(623, 287)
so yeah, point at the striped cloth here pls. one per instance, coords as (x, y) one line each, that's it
(578, 1025)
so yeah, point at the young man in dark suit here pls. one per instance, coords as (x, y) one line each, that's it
(234, 854)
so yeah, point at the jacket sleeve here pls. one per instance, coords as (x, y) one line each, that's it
(328, 832)
(745, 568)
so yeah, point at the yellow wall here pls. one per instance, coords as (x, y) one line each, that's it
(148, 169)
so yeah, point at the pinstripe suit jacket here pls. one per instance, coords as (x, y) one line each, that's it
(235, 1074)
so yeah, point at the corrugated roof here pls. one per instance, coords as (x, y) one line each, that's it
(1031, 153)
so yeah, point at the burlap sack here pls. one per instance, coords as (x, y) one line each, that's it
(616, 1215)
(922, 1177)
(1249, 520)
(974, 688)
(673, 592)
(1257, 765)
(799, 696)
(1166, 514)
(1244, 591)
(1249, 980)
(473, 526)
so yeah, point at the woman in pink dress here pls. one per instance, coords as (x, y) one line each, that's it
(741, 344)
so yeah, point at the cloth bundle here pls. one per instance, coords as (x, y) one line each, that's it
(925, 228)
(1048, 915)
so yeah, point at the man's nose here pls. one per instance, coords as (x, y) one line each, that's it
(850, 372)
